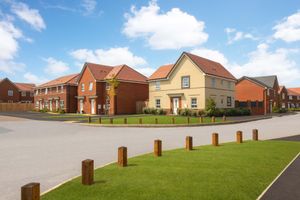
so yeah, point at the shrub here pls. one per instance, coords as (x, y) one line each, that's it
(61, 111)
(211, 109)
(161, 112)
(44, 110)
(185, 112)
(154, 111)
(201, 113)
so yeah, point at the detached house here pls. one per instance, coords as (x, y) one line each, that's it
(293, 97)
(58, 94)
(189, 83)
(110, 90)
(11, 92)
(259, 94)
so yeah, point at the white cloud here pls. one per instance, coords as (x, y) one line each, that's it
(10, 67)
(32, 78)
(29, 15)
(55, 67)
(234, 35)
(89, 6)
(171, 30)
(288, 29)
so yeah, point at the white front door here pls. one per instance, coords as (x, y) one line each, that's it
(175, 105)
(50, 105)
(81, 106)
(92, 106)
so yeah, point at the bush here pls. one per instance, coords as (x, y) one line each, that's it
(61, 111)
(154, 111)
(44, 110)
(211, 109)
(185, 112)
(161, 112)
(279, 110)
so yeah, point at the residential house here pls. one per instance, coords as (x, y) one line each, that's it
(282, 97)
(97, 96)
(58, 94)
(11, 92)
(293, 97)
(189, 83)
(259, 94)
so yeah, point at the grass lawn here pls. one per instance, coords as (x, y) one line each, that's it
(231, 171)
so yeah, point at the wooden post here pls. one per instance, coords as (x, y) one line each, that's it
(189, 143)
(30, 191)
(87, 172)
(156, 121)
(215, 139)
(255, 134)
(239, 137)
(213, 119)
(188, 120)
(173, 120)
(89, 119)
(201, 119)
(122, 156)
(157, 147)
(125, 120)
(141, 121)
(111, 120)
(224, 118)
(100, 120)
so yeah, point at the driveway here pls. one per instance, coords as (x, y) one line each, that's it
(51, 152)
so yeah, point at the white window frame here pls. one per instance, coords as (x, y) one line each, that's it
(283, 95)
(91, 85)
(157, 103)
(57, 89)
(62, 104)
(10, 93)
(157, 85)
(46, 90)
(195, 103)
(185, 82)
(62, 89)
(82, 87)
(290, 97)
(23, 93)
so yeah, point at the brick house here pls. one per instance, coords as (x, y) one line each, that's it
(11, 92)
(293, 97)
(57, 94)
(259, 94)
(282, 97)
(93, 89)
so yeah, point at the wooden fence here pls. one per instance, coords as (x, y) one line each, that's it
(16, 107)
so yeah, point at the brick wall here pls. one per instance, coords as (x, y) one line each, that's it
(27, 98)
(6, 85)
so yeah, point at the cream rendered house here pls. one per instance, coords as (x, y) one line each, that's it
(189, 83)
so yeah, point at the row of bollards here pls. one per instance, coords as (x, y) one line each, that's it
(31, 191)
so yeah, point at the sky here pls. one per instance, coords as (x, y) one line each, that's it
(42, 40)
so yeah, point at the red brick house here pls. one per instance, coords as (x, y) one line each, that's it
(282, 97)
(259, 94)
(11, 92)
(58, 94)
(293, 97)
(93, 89)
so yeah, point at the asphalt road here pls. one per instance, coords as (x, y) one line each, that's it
(51, 152)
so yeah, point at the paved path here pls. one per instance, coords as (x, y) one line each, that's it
(51, 152)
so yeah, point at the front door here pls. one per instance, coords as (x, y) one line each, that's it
(92, 106)
(50, 105)
(56, 105)
(271, 106)
(175, 105)
(81, 106)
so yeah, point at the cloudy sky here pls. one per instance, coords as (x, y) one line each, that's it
(40, 40)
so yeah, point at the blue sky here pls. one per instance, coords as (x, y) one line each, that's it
(41, 40)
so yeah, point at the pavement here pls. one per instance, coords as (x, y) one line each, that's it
(51, 152)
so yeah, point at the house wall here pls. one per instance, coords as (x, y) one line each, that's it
(28, 98)
(283, 98)
(6, 85)
(293, 101)
(199, 87)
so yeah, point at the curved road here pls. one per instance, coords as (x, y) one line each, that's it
(51, 152)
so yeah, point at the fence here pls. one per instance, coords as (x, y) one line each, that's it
(16, 107)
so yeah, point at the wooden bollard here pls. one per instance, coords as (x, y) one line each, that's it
(157, 147)
(111, 120)
(122, 156)
(215, 139)
(189, 143)
(141, 121)
(213, 119)
(125, 120)
(89, 119)
(100, 120)
(224, 118)
(201, 119)
(239, 137)
(173, 120)
(255, 134)
(30, 191)
(87, 172)
(156, 121)
(188, 120)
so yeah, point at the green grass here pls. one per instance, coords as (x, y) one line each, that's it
(231, 171)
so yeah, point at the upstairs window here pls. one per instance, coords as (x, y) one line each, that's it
(283, 95)
(10, 93)
(194, 103)
(62, 89)
(229, 85)
(185, 82)
(46, 91)
(91, 86)
(23, 94)
(57, 89)
(213, 82)
(157, 85)
(290, 97)
(82, 87)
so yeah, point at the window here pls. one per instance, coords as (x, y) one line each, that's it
(229, 85)
(222, 101)
(10, 93)
(107, 103)
(222, 82)
(46, 91)
(82, 87)
(91, 86)
(107, 86)
(23, 94)
(283, 105)
(283, 95)
(57, 89)
(157, 85)
(62, 104)
(46, 104)
(61, 88)
(229, 101)
(37, 104)
(157, 103)
(298, 97)
(268, 92)
(185, 82)
(213, 82)
(194, 103)
(37, 92)
(290, 97)
(253, 104)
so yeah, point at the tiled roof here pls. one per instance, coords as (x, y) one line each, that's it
(293, 91)
(267, 80)
(162, 72)
(68, 79)
(99, 71)
(280, 88)
(207, 66)
(25, 86)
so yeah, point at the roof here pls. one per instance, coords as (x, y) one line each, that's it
(266, 80)
(281, 87)
(293, 91)
(99, 71)
(68, 79)
(162, 72)
(25, 86)
(207, 66)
